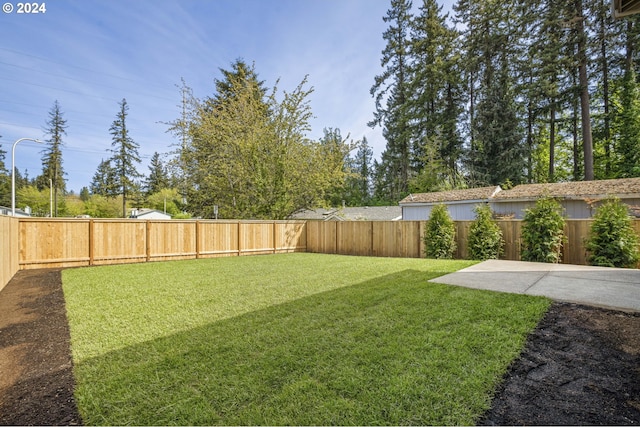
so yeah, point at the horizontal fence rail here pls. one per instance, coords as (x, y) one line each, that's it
(47, 243)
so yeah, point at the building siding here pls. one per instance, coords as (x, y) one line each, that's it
(573, 209)
(457, 211)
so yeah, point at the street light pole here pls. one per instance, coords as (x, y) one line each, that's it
(13, 172)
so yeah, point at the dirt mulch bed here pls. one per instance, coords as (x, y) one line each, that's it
(580, 366)
(36, 377)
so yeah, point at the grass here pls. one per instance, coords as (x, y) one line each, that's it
(293, 339)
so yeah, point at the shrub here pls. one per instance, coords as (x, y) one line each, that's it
(440, 234)
(613, 241)
(485, 237)
(543, 232)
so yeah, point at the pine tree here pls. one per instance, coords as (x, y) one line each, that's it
(5, 181)
(499, 153)
(125, 155)
(104, 182)
(581, 62)
(84, 194)
(357, 191)
(52, 170)
(393, 88)
(626, 126)
(158, 178)
(549, 46)
(435, 85)
(363, 167)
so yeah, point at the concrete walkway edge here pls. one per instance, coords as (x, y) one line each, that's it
(616, 288)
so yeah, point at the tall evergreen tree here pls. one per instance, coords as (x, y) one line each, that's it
(357, 189)
(52, 170)
(585, 108)
(552, 63)
(499, 153)
(5, 180)
(626, 126)
(435, 85)
(392, 88)
(104, 182)
(158, 178)
(125, 155)
(362, 165)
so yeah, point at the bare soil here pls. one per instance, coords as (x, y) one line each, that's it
(580, 366)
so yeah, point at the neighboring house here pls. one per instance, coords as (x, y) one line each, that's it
(460, 203)
(148, 214)
(19, 212)
(365, 213)
(579, 199)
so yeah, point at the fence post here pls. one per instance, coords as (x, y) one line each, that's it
(275, 245)
(91, 241)
(148, 239)
(197, 239)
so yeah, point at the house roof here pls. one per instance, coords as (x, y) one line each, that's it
(625, 7)
(19, 212)
(364, 213)
(481, 193)
(137, 213)
(622, 188)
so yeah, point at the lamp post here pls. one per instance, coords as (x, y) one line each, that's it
(13, 172)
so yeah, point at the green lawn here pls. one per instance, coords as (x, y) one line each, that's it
(292, 339)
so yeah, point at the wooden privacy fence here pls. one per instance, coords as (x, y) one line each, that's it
(404, 238)
(366, 238)
(45, 243)
(8, 249)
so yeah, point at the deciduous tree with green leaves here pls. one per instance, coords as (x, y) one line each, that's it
(249, 154)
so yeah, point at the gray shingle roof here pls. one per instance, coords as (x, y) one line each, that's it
(625, 187)
(481, 193)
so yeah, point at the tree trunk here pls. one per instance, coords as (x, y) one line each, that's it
(587, 140)
(552, 143)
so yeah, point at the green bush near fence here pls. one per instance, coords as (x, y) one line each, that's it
(440, 234)
(613, 241)
(485, 237)
(543, 232)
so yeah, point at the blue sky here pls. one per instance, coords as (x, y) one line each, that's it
(89, 54)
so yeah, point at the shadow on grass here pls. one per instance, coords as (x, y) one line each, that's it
(394, 350)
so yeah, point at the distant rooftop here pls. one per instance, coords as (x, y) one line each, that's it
(481, 193)
(364, 213)
(624, 187)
